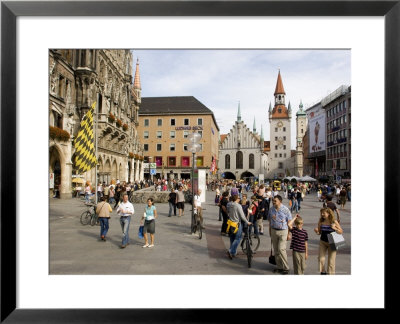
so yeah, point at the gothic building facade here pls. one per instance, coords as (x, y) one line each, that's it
(241, 152)
(77, 78)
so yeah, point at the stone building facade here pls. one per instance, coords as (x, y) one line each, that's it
(77, 78)
(241, 153)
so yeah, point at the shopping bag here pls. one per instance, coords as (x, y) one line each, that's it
(140, 232)
(336, 240)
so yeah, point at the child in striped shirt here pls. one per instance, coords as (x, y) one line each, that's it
(299, 244)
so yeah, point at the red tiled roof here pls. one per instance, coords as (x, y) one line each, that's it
(223, 136)
(283, 114)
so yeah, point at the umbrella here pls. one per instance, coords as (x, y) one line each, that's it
(307, 178)
(78, 180)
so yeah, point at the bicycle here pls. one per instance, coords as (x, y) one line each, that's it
(197, 226)
(247, 246)
(254, 242)
(89, 216)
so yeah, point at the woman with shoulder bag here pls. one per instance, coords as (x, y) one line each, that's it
(326, 225)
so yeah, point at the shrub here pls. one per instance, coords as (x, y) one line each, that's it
(58, 133)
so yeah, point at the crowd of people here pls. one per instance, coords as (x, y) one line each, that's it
(236, 207)
(282, 224)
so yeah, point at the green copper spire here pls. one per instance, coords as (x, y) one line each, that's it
(270, 107)
(239, 117)
(301, 112)
(290, 107)
(254, 125)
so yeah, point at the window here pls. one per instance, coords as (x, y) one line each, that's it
(279, 110)
(199, 161)
(276, 130)
(146, 134)
(159, 147)
(344, 104)
(284, 155)
(159, 122)
(171, 161)
(145, 159)
(239, 160)
(251, 161)
(185, 134)
(201, 133)
(302, 130)
(280, 154)
(199, 121)
(159, 161)
(201, 147)
(284, 138)
(284, 147)
(159, 134)
(227, 161)
(185, 147)
(146, 123)
(172, 134)
(280, 165)
(172, 121)
(276, 147)
(172, 147)
(276, 138)
(61, 86)
(185, 161)
(186, 122)
(58, 120)
(284, 129)
(145, 147)
(276, 155)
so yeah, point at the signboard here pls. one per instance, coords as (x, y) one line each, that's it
(51, 180)
(317, 127)
(338, 178)
(189, 128)
(146, 165)
(153, 165)
(153, 171)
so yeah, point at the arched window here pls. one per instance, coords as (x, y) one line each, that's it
(251, 161)
(227, 161)
(239, 160)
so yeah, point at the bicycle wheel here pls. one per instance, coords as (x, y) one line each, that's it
(85, 217)
(243, 245)
(255, 243)
(93, 219)
(249, 253)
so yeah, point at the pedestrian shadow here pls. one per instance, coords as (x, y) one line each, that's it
(95, 236)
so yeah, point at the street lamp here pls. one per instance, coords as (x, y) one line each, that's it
(193, 146)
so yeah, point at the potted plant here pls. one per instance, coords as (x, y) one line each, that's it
(119, 122)
(111, 118)
(58, 133)
(131, 155)
(125, 127)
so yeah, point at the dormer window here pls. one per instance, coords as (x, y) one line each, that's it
(280, 109)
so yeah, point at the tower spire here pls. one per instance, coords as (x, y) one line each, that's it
(262, 136)
(239, 117)
(279, 85)
(254, 125)
(136, 83)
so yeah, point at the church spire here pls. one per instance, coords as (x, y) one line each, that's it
(254, 125)
(262, 137)
(279, 85)
(239, 117)
(136, 83)
(270, 107)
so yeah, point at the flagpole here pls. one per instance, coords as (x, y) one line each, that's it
(95, 147)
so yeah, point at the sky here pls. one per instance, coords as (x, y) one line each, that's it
(220, 79)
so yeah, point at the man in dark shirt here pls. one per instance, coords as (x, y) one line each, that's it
(224, 211)
(330, 204)
(172, 203)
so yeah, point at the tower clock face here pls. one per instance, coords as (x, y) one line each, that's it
(280, 124)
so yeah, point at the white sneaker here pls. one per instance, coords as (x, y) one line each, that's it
(151, 245)
(146, 245)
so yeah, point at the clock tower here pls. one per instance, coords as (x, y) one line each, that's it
(279, 120)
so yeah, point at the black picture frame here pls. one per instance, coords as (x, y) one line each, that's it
(11, 10)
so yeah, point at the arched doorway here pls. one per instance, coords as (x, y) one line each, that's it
(228, 175)
(55, 171)
(247, 176)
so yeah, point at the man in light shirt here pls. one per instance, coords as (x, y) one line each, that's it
(197, 206)
(125, 211)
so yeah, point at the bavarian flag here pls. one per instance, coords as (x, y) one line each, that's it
(85, 155)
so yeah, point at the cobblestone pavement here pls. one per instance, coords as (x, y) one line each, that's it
(77, 248)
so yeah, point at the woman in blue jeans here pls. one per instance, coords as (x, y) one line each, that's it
(235, 214)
